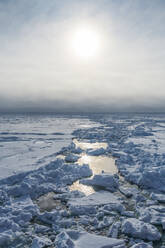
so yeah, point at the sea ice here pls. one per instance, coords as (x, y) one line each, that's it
(128, 191)
(139, 229)
(96, 199)
(105, 180)
(70, 158)
(96, 152)
(158, 197)
(114, 230)
(142, 245)
(75, 239)
(136, 141)
(41, 242)
(87, 205)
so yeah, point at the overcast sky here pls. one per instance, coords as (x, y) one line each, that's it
(39, 70)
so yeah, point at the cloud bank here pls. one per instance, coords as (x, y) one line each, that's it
(40, 72)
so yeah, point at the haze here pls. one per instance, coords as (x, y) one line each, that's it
(40, 70)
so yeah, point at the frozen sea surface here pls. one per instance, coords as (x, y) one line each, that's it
(30, 141)
(37, 207)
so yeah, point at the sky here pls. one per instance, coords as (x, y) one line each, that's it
(41, 71)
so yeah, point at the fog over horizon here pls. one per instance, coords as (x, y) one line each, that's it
(40, 71)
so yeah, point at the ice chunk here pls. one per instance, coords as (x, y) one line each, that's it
(86, 204)
(96, 152)
(128, 191)
(40, 242)
(70, 158)
(64, 241)
(142, 245)
(158, 197)
(139, 229)
(82, 210)
(70, 239)
(153, 179)
(95, 199)
(105, 180)
(69, 195)
(114, 230)
(41, 229)
(6, 238)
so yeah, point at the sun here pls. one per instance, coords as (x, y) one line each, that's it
(86, 43)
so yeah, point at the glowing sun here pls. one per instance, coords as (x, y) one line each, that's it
(86, 43)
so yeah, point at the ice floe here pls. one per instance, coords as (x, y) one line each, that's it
(104, 180)
(125, 210)
(71, 239)
(139, 229)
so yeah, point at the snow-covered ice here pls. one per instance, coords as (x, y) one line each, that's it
(95, 199)
(42, 156)
(104, 180)
(140, 229)
(75, 239)
(31, 141)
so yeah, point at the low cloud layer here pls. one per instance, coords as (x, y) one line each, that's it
(40, 72)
